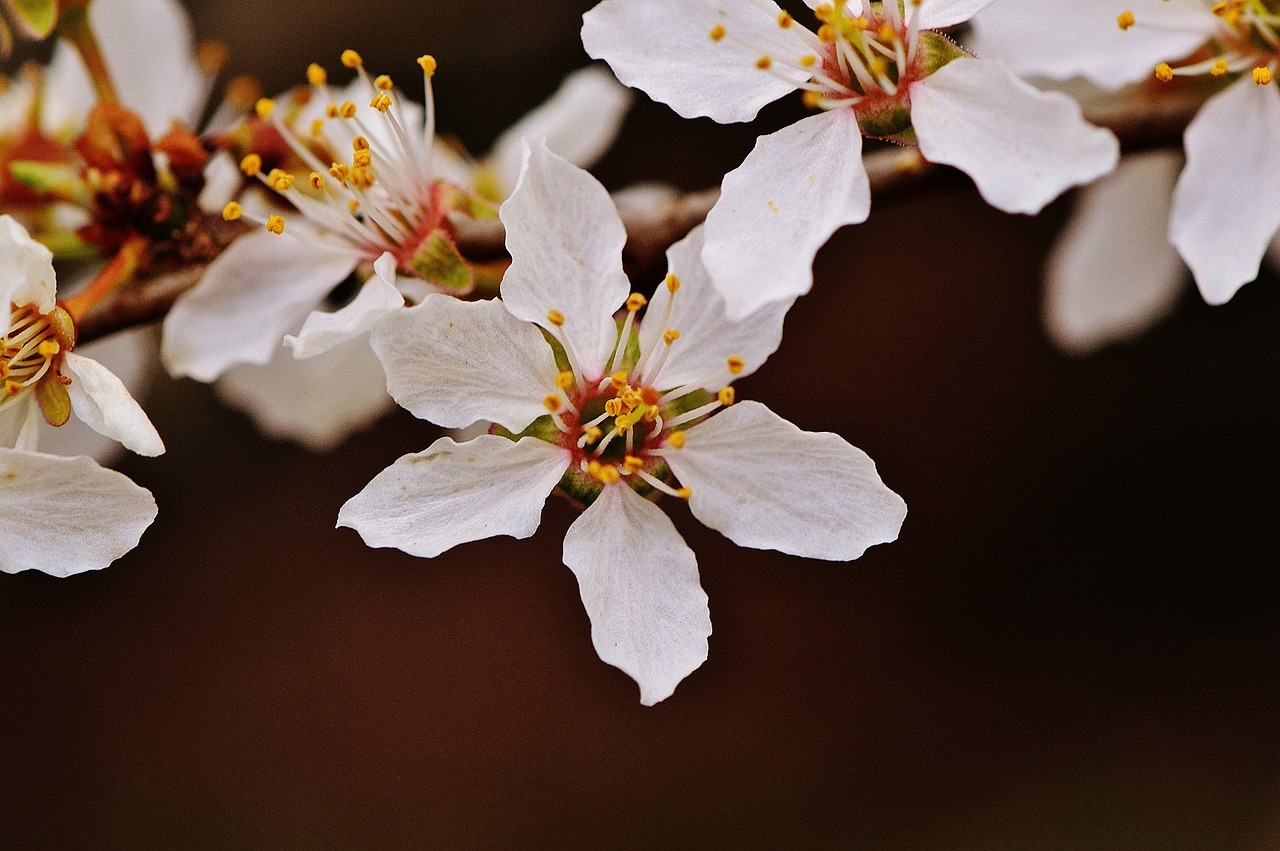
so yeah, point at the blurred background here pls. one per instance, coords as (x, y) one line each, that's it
(1072, 645)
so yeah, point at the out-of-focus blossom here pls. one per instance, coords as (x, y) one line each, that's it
(61, 515)
(612, 414)
(871, 69)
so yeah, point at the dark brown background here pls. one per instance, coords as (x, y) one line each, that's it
(1073, 645)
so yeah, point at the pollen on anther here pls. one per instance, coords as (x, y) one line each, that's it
(48, 348)
(316, 75)
(232, 212)
(1125, 20)
(428, 65)
(670, 335)
(351, 59)
(565, 380)
(1164, 72)
(382, 102)
(347, 110)
(279, 180)
(383, 83)
(726, 396)
(636, 301)
(594, 434)
(1219, 68)
(684, 493)
(552, 402)
(275, 224)
(673, 283)
(264, 107)
(717, 32)
(251, 164)
(764, 63)
(1261, 76)
(808, 61)
(555, 317)
(736, 364)
(632, 464)
(676, 440)
(316, 179)
(361, 159)
(785, 20)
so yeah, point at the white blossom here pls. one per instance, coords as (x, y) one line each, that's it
(612, 415)
(875, 70)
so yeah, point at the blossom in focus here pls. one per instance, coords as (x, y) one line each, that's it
(611, 413)
(266, 288)
(877, 70)
(41, 378)
(1225, 210)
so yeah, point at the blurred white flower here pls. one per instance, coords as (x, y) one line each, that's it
(61, 515)
(1225, 210)
(871, 69)
(610, 415)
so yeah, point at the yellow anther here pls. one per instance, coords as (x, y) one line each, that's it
(361, 178)
(12, 387)
(316, 75)
(860, 23)
(1164, 73)
(813, 100)
(352, 206)
(625, 422)
(264, 107)
(275, 224)
(808, 61)
(785, 20)
(552, 402)
(347, 110)
(593, 467)
(555, 317)
(608, 475)
(736, 365)
(684, 493)
(340, 172)
(382, 102)
(717, 32)
(878, 65)
(566, 380)
(251, 164)
(726, 396)
(428, 64)
(618, 380)
(594, 434)
(383, 83)
(48, 348)
(351, 59)
(636, 301)
(360, 143)
(887, 32)
(827, 34)
(1219, 68)
(673, 283)
(317, 181)
(279, 180)
(613, 407)
(676, 440)
(825, 13)
(243, 91)
(632, 464)
(331, 110)
(764, 63)
(670, 335)
(361, 159)
(232, 212)
(317, 126)
(1125, 20)
(1262, 76)
(212, 56)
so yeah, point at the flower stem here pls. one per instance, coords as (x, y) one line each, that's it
(76, 28)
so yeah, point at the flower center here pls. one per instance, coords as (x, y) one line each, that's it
(1246, 40)
(31, 355)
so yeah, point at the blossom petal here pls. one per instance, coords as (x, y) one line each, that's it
(639, 584)
(454, 363)
(20, 424)
(936, 14)
(764, 483)
(565, 240)
(376, 299)
(795, 189)
(1273, 252)
(317, 402)
(1021, 146)
(1113, 273)
(67, 515)
(1061, 40)
(1226, 208)
(26, 270)
(664, 47)
(149, 49)
(451, 493)
(259, 289)
(103, 402)
(579, 122)
(708, 338)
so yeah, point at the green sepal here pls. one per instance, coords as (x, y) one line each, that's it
(438, 260)
(36, 18)
(892, 122)
(54, 400)
(57, 180)
(458, 200)
(68, 247)
(937, 50)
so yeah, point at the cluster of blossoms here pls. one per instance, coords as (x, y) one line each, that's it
(330, 228)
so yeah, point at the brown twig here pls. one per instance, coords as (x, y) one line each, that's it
(656, 218)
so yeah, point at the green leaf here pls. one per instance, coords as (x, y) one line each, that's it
(438, 261)
(36, 18)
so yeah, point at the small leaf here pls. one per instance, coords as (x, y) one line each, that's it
(55, 179)
(36, 18)
(55, 401)
(438, 261)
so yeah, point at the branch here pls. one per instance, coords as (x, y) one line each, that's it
(656, 217)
